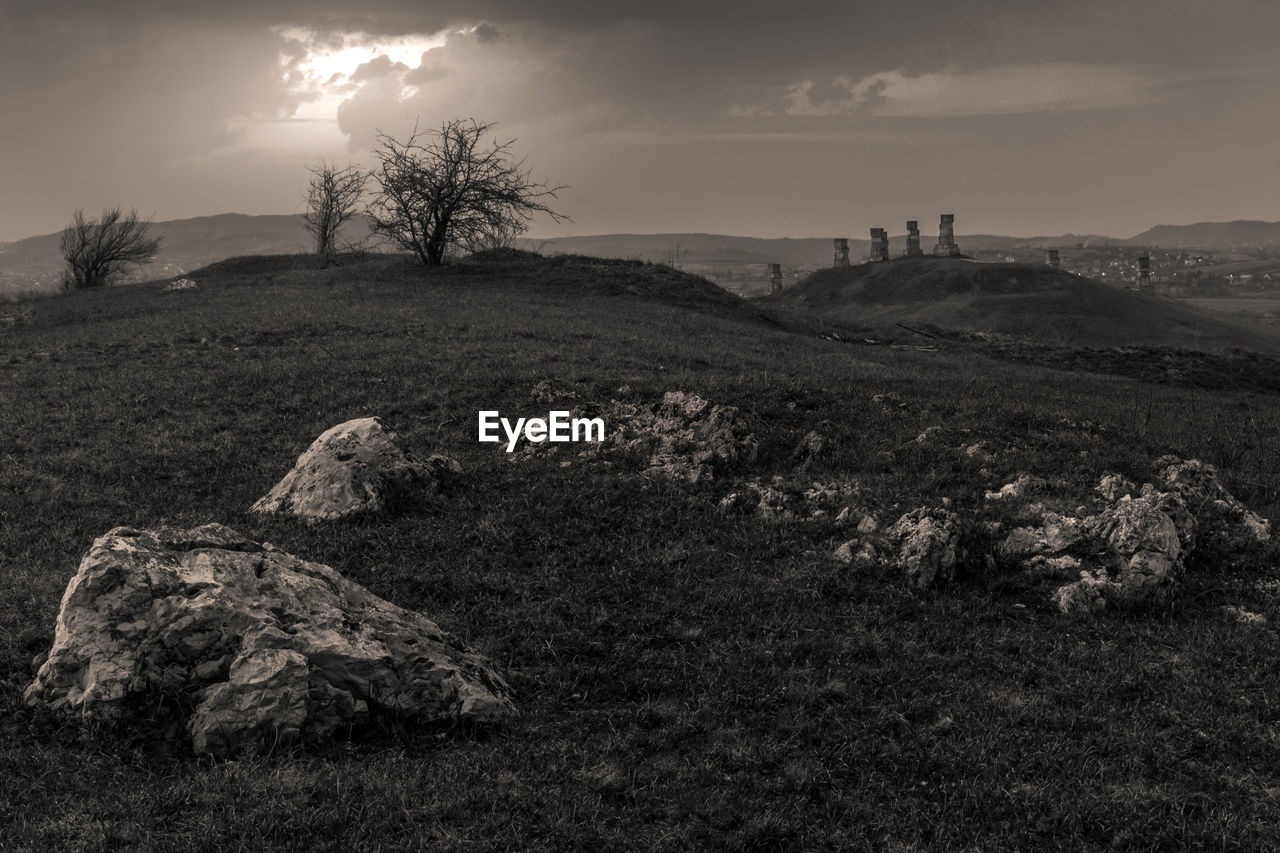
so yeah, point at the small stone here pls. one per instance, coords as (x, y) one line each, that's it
(1022, 487)
(858, 554)
(1240, 616)
(356, 466)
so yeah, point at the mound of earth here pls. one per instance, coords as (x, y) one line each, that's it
(580, 274)
(1021, 300)
(569, 275)
(504, 254)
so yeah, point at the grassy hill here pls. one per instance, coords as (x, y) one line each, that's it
(1022, 300)
(686, 679)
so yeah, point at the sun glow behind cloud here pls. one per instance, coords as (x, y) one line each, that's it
(325, 75)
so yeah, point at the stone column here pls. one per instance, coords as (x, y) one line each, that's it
(879, 244)
(947, 236)
(1144, 273)
(913, 239)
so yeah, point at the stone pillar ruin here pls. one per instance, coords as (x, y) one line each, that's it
(842, 251)
(1052, 258)
(913, 239)
(879, 244)
(947, 236)
(775, 278)
(1144, 273)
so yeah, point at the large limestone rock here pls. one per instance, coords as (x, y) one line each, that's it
(1141, 564)
(357, 466)
(261, 646)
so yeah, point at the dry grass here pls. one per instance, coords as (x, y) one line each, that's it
(686, 680)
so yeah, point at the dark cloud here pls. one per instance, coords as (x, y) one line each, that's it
(822, 94)
(180, 88)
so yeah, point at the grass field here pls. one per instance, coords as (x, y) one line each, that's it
(1265, 307)
(686, 680)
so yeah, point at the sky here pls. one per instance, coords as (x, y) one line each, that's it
(795, 119)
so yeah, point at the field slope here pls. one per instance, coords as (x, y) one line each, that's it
(687, 680)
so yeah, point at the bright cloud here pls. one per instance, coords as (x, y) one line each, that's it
(328, 69)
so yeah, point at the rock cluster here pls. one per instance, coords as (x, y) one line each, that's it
(685, 437)
(688, 436)
(262, 647)
(180, 284)
(781, 499)
(356, 466)
(1133, 551)
(1130, 551)
(924, 545)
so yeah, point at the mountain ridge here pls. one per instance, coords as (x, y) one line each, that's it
(33, 264)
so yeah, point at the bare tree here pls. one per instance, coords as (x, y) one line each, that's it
(99, 251)
(333, 198)
(445, 188)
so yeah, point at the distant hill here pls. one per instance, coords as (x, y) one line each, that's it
(1021, 300)
(1239, 233)
(696, 248)
(35, 263)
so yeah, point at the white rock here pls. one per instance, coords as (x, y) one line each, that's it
(356, 466)
(262, 646)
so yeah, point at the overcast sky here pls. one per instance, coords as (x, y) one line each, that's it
(769, 119)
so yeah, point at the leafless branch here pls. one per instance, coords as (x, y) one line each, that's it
(99, 251)
(333, 198)
(443, 189)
